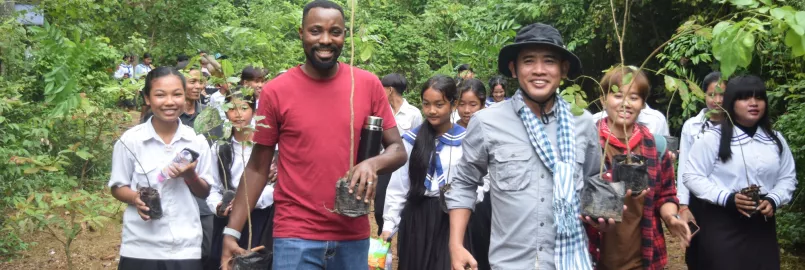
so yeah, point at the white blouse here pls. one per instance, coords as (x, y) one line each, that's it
(693, 129)
(710, 179)
(238, 165)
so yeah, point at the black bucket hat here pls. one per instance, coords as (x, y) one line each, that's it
(537, 34)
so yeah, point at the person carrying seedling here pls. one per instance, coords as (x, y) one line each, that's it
(143, 160)
(638, 241)
(307, 111)
(739, 174)
(230, 160)
(538, 155)
(694, 129)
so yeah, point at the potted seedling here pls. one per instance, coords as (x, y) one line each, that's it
(149, 195)
(346, 203)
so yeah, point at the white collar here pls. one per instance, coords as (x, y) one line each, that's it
(182, 132)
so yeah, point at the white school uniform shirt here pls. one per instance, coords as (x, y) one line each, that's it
(408, 117)
(400, 183)
(712, 180)
(217, 101)
(141, 70)
(122, 69)
(693, 129)
(653, 119)
(238, 165)
(177, 235)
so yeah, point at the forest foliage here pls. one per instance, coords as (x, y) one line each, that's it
(59, 106)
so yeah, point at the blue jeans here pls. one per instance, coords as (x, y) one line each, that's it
(300, 254)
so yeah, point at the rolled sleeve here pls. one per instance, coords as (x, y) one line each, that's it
(470, 170)
(122, 165)
(699, 168)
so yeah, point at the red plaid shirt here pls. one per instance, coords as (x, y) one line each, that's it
(663, 190)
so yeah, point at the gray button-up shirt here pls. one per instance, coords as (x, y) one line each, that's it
(523, 233)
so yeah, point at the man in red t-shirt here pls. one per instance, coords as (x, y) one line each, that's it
(307, 113)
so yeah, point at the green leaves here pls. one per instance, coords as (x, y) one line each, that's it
(733, 45)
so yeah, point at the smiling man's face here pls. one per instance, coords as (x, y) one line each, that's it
(322, 35)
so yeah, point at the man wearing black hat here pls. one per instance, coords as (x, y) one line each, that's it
(538, 155)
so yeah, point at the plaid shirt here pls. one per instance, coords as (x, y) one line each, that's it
(663, 190)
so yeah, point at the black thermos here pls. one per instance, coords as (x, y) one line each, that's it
(371, 138)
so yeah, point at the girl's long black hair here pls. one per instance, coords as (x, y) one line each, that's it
(226, 153)
(424, 151)
(740, 88)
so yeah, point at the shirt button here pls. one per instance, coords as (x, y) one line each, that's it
(542, 176)
(542, 199)
(540, 248)
(541, 224)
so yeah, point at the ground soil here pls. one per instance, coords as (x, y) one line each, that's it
(100, 250)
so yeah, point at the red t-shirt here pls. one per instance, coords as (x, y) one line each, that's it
(310, 120)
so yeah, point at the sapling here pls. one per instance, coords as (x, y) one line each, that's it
(149, 195)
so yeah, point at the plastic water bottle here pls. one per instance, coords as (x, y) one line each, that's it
(183, 158)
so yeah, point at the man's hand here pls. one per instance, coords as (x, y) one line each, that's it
(231, 249)
(765, 208)
(141, 208)
(744, 204)
(364, 175)
(460, 258)
(680, 229)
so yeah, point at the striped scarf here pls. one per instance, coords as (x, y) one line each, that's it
(571, 241)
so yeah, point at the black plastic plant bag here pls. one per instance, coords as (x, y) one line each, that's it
(634, 175)
(345, 203)
(259, 260)
(228, 196)
(602, 199)
(442, 201)
(753, 192)
(672, 143)
(150, 196)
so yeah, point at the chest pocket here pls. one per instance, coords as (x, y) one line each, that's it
(511, 168)
(143, 175)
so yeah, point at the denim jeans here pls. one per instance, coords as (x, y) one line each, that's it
(300, 254)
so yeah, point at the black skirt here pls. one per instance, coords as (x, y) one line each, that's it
(137, 264)
(481, 228)
(729, 240)
(424, 234)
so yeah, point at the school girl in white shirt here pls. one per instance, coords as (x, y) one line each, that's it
(693, 129)
(737, 232)
(173, 241)
(412, 200)
(230, 159)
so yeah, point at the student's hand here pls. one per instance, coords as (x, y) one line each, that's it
(639, 196)
(224, 212)
(765, 208)
(364, 176)
(230, 249)
(187, 172)
(386, 236)
(460, 258)
(272, 173)
(686, 215)
(744, 204)
(680, 229)
(141, 208)
(600, 224)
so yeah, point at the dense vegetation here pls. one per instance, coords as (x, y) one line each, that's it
(59, 113)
